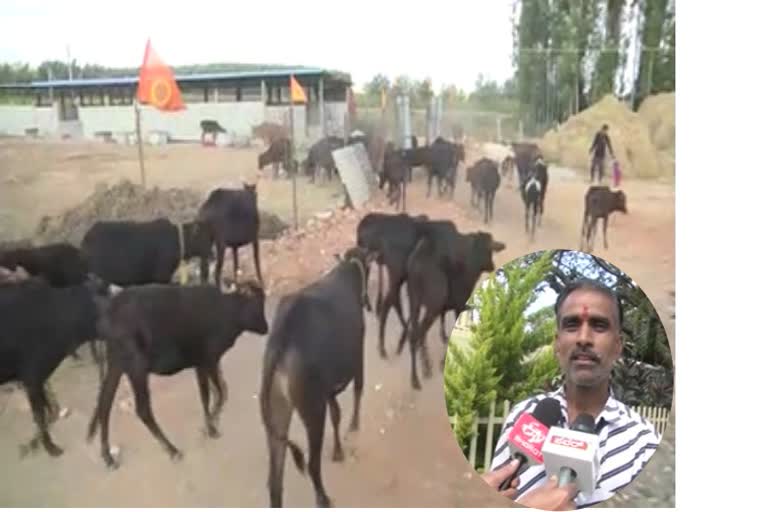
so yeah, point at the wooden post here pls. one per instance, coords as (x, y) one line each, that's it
(293, 174)
(140, 143)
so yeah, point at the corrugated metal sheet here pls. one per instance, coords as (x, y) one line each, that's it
(356, 172)
(201, 77)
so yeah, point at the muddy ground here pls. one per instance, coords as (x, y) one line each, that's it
(405, 454)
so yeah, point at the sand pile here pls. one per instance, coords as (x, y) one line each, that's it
(632, 138)
(129, 201)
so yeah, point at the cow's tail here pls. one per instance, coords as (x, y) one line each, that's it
(270, 368)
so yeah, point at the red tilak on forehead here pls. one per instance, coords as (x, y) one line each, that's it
(584, 313)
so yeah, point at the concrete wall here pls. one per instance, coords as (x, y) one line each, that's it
(236, 117)
(15, 119)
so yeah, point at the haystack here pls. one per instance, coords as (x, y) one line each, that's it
(659, 113)
(129, 201)
(630, 138)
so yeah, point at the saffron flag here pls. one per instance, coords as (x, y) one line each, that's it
(157, 83)
(297, 92)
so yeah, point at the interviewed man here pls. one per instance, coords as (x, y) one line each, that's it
(587, 345)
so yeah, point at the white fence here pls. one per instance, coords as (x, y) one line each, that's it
(659, 416)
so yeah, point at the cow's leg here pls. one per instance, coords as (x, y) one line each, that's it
(429, 319)
(381, 283)
(591, 234)
(235, 265)
(413, 342)
(279, 417)
(354, 425)
(220, 251)
(103, 411)
(429, 183)
(256, 260)
(275, 170)
(605, 231)
(220, 387)
(333, 407)
(312, 413)
(39, 406)
(384, 313)
(443, 334)
(140, 383)
(202, 383)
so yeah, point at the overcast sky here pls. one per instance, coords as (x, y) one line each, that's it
(451, 42)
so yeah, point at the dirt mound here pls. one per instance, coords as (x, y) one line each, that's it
(129, 201)
(630, 137)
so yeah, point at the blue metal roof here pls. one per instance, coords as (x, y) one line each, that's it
(201, 77)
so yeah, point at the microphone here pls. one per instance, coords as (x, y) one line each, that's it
(572, 454)
(527, 436)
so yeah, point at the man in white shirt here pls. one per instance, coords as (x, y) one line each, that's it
(587, 345)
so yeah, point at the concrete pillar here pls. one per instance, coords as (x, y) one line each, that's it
(264, 92)
(321, 99)
(215, 94)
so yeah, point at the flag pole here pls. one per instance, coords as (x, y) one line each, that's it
(140, 143)
(294, 171)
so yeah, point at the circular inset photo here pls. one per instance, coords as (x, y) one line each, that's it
(559, 380)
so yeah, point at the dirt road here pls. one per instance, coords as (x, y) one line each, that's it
(405, 454)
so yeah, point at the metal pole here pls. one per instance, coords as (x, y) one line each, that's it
(140, 143)
(294, 173)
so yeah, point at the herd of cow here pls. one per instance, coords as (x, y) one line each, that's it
(116, 288)
(441, 160)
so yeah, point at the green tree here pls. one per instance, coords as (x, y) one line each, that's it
(494, 362)
(654, 15)
(610, 58)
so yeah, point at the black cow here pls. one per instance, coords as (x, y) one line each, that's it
(231, 217)
(436, 290)
(526, 154)
(41, 325)
(210, 126)
(280, 152)
(128, 253)
(416, 156)
(394, 172)
(320, 156)
(314, 352)
(164, 329)
(533, 192)
(485, 179)
(392, 238)
(60, 264)
(599, 202)
(444, 159)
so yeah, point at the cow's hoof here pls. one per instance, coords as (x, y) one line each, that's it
(211, 432)
(112, 464)
(176, 455)
(338, 455)
(383, 353)
(53, 450)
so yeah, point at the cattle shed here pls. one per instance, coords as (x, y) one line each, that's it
(236, 100)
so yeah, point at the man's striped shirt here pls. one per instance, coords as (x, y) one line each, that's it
(627, 442)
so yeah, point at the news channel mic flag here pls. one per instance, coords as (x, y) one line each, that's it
(579, 436)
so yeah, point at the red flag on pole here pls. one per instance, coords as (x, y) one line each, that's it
(157, 83)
